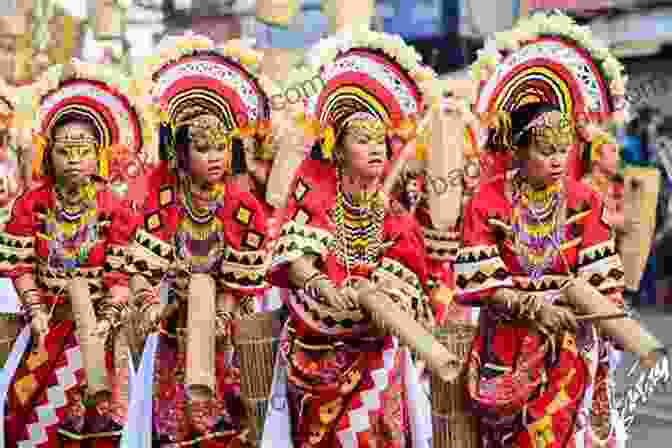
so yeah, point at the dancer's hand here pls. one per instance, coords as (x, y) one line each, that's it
(102, 328)
(40, 326)
(556, 318)
(338, 298)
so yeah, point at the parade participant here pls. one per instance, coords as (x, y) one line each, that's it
(9, 175)
(63, 248)
(602, 163)
(534, 238)
(339, 236)
(202, 226)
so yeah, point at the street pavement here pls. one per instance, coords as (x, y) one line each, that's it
(653, 424)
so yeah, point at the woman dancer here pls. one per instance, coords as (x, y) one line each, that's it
(199, 219)
(347, 383)
(533, 370)
(63, 248)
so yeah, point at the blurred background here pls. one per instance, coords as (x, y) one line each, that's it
(37, 33)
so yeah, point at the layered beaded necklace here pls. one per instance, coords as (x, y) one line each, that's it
(199, 233)
(72, 231)
(359, 227)
(537, 225)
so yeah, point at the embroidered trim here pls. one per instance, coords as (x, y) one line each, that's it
(441, 246)
(480, 268)
(601, 266)
(115, 258)
(297, 240)
(544, 284)
(16, 251)
(56, 282)
(406, 281)
(243, 269)
(149, 255)
(320, 316)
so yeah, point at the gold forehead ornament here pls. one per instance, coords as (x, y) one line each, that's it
(372, 128)
(552, 128)
(211, 129)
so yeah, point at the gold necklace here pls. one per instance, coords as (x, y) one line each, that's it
(359, 229)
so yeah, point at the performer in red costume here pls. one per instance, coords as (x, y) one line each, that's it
(70, 382)
(347, 383)
(200, 218)
(534, 372)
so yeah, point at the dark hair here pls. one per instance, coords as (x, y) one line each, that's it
(508, 132)
(183, 157)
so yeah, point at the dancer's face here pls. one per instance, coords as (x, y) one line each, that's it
(74, 152)
(547, 154)
(365, 149)
(209, 150)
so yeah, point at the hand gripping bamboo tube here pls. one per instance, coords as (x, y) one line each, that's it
(91, 345)
(627, 332)
(392, 318)
(201, 333)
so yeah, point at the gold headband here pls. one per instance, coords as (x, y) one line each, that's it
(550, 129)
(373, 128)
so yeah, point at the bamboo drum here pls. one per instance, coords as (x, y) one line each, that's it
(254, 339)
(453, 425)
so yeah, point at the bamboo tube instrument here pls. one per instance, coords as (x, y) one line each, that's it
(627, 332)
(201, 333)
(388, 315)
(91, 345)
